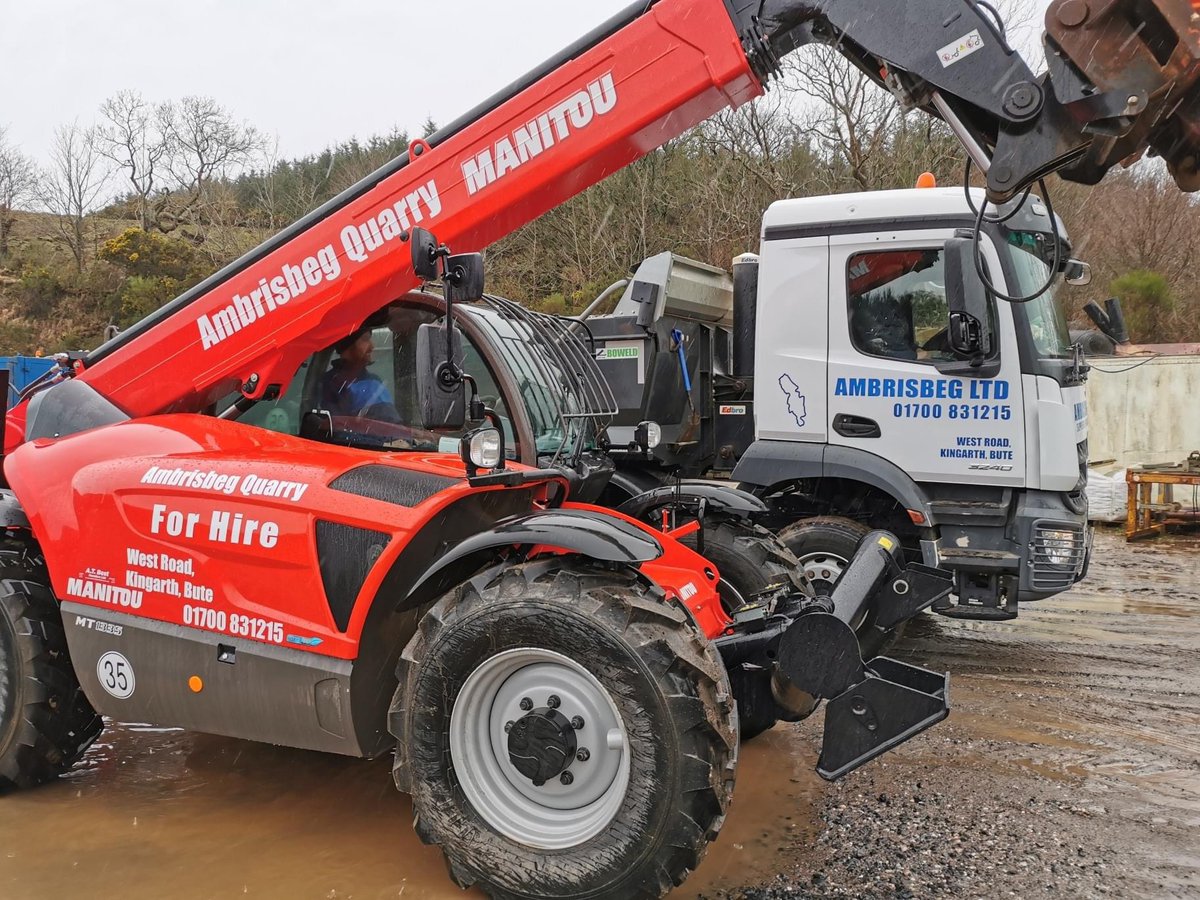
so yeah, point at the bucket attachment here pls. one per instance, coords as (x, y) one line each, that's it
(891, 704)
(812, 653)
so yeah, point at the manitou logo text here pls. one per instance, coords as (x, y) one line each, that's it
(540, 133)
(102, 592)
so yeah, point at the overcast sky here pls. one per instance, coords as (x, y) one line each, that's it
(312, 72)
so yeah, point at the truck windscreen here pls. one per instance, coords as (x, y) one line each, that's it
(1047, 323)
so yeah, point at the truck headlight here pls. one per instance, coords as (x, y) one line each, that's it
(483, 448)
(1059, 546)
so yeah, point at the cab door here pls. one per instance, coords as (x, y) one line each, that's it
(895, 388)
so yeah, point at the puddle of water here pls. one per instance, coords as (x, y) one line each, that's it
(774, 807)
(193, 817)
(153, 813)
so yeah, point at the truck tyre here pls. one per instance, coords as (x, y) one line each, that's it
(46, 723)
(564, 731)
(751, 561)
(824, 546)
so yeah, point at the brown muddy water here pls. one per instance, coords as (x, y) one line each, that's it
(155, 813)
(1090, 701)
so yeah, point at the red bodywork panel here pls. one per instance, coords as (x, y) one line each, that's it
(667, 70)
(229, 545)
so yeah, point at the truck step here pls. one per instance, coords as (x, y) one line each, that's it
(969, 512)
(978, 613)
(956, 558)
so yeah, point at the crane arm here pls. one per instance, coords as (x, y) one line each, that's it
(1122, 77)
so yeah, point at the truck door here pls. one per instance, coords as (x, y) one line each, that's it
(791, 340)
(895, 389)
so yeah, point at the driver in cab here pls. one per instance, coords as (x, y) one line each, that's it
(350, 388)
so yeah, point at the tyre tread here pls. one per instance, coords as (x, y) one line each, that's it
(56, 723)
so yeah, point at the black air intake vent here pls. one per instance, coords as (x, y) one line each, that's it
(346, 555)
(398, 486)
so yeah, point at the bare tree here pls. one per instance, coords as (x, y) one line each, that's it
(132, 137)
(852, 117)
(72, 186)
(18, 180)
(206, 146)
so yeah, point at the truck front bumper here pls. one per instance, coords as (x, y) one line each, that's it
(1056, 543)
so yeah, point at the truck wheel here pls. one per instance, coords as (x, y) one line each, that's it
(751, 561)
(563, 731)
(46, 723)
(824, 546)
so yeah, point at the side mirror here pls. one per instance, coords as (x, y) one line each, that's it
(1077, 272)
(441, 390)
(1111, 321)
(464, 278)
(424, 254)
(970, 329)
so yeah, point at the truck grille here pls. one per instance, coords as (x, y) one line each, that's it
(1056, 555)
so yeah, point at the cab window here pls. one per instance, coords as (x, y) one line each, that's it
(362, 391)
(897, 304)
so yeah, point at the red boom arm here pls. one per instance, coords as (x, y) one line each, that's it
(658, 73)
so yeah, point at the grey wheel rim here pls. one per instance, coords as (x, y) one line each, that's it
(560, 813)
(823, 569)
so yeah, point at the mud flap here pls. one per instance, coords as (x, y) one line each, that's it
(894, 702)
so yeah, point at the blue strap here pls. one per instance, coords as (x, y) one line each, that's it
(677, 337)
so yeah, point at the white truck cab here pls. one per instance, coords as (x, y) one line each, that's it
(855, 380)
(826, 383)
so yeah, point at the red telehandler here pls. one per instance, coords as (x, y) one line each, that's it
(553, 677)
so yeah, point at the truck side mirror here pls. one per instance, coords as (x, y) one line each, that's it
(1076, 272)
(424, 254)
(441, 389)
(464, 278)
(970, 328)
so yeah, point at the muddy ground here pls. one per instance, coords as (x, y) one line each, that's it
(1070, 766)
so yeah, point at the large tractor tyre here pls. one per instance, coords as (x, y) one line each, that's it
(751, 561)
(824, 547)
(46, 723)
(564, 732)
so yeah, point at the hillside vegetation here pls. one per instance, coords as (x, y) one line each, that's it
(133, 211)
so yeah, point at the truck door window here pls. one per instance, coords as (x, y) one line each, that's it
(897, 304)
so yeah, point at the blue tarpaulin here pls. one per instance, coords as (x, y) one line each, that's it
(23, 371)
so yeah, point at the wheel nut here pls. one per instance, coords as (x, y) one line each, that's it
(553, 702)
(508, 726)
(577, 722)
(583, 755)
(526, 704)
(566, 778)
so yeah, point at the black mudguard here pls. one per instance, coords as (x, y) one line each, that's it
(719, 499)
(590, 534)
